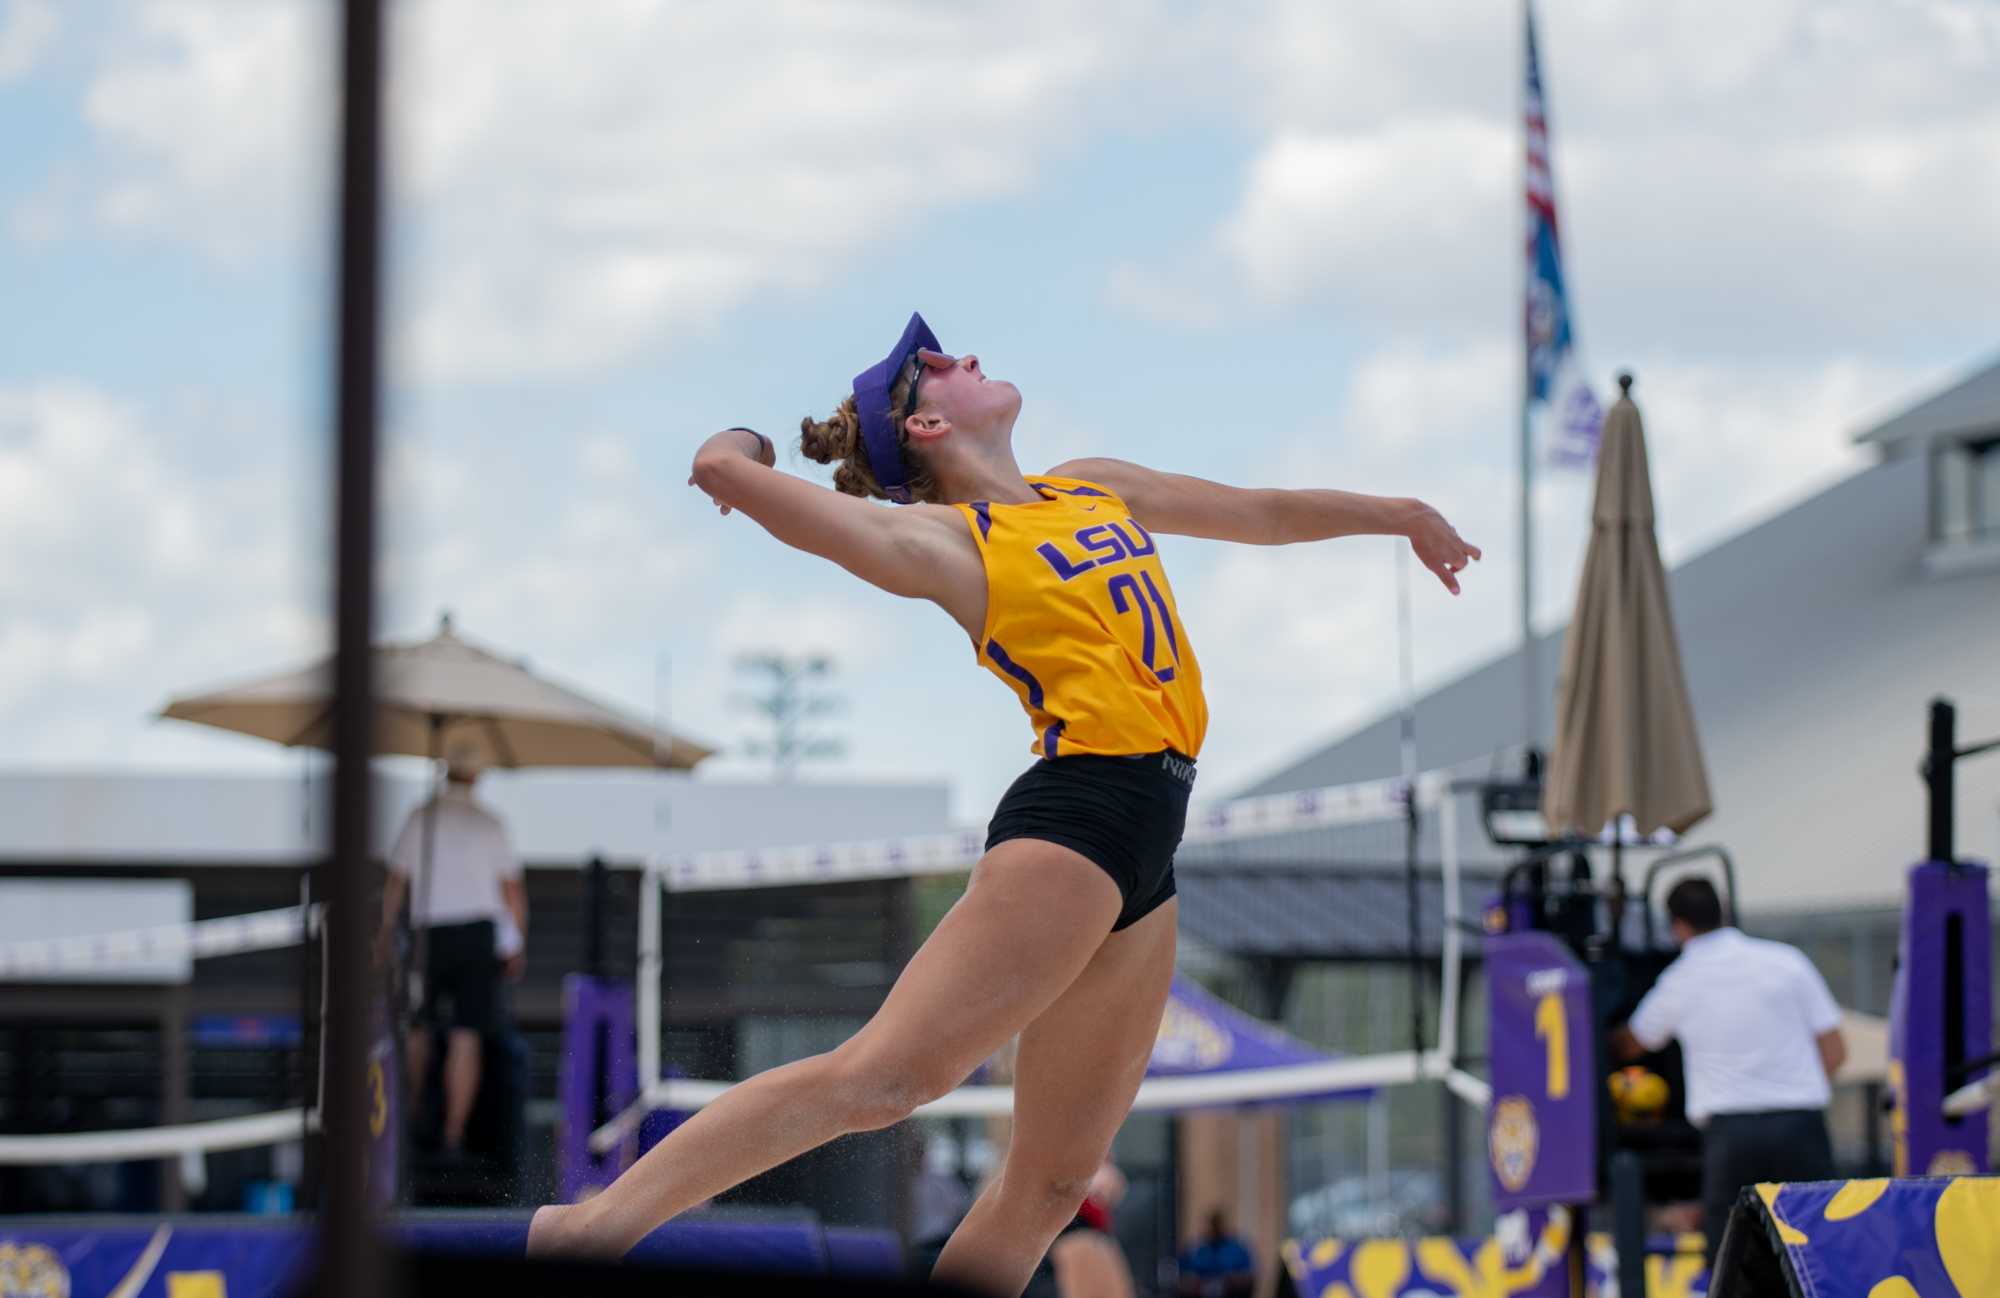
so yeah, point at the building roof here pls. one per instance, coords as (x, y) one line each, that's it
(1967, 408)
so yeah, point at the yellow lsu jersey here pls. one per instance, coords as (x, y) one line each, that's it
(1081, 623)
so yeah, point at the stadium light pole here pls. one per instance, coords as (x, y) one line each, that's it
(351, 1259)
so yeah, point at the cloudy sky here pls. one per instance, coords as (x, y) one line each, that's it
(1272, 251)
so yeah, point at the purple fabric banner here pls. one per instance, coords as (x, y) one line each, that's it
(1201, 1034)
(1541, 1127)
(223, 1258)
(385, 1113)
(150, 1261)
(1942, 899)
(1523, 1258)
(1937, 1237)
(600, 1077)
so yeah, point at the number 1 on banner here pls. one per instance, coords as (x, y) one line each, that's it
(1552, 1027)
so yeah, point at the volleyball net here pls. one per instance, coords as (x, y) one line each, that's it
(102, 957)
(1330, 830)
(1327, 831)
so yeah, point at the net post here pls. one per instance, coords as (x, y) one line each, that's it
(350, 1260)
(647, 994)
(1938, 776)
(1453, 937)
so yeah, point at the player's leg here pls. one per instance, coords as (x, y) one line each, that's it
(1029, 922)
(1079, 1065)
(461, 1083)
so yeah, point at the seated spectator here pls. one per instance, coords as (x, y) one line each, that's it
(1219, 1265)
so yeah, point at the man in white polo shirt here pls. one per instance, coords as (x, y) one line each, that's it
(474, 911)
(1760, 1043)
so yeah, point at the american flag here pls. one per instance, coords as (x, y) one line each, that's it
(1555, 380)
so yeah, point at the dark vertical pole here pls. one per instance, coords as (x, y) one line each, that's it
(1938, 775)
(596, 914)
(1871, 1129)
(310, 1042)
(1168, 1226)
(1531, 667)
(1414, 921)
(1628, 1220)
(350, 1258)
(1454, 1131)
(173, 1090)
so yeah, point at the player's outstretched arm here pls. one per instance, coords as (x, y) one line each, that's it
(904, 551)
(1188, 506)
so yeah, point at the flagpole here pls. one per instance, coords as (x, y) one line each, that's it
(1530, 667)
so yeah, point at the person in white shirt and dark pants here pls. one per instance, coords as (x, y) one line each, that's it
(473, 908)
(1760, 1044)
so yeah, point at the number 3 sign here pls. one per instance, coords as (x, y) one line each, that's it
(1541, 1131)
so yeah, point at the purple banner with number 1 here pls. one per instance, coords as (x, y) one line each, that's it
(1541, 1127)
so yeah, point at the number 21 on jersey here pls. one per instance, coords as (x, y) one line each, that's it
(1132, 592)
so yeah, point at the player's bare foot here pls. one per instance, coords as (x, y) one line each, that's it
(552, 1231)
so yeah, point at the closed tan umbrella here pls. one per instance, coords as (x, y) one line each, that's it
(491, 710)
(1625, 740)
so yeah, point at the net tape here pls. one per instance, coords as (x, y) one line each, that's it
(264, 930)
(953, 853)
(1157, 1094)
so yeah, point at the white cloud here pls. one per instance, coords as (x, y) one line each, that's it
(564, 222)
(1791, 178)
(1299, 643)
(27, 30)
(586, 181)
(565, 559)
(140, 559)
(217, 122)
(1164, 297)
(40, 217)
(1823, 177)
(1388, 223)
(128, 574)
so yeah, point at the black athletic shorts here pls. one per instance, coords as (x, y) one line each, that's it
(461, 976)
(1126, 814)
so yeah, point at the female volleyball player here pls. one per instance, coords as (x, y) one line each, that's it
(1065, 934)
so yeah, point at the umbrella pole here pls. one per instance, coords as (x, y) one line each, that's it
(418, 945)
(429, 852)
(350, 1260)
(1617, 906)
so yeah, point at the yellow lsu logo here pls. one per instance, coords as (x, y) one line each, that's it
(32, 1271)
(1513, 1139)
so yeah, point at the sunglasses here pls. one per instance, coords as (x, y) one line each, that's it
(926, 360)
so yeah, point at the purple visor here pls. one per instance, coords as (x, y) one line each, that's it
(881, 440)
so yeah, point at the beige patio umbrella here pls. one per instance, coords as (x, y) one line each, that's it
(489, 710)
(1625, 741)
(492, 710)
